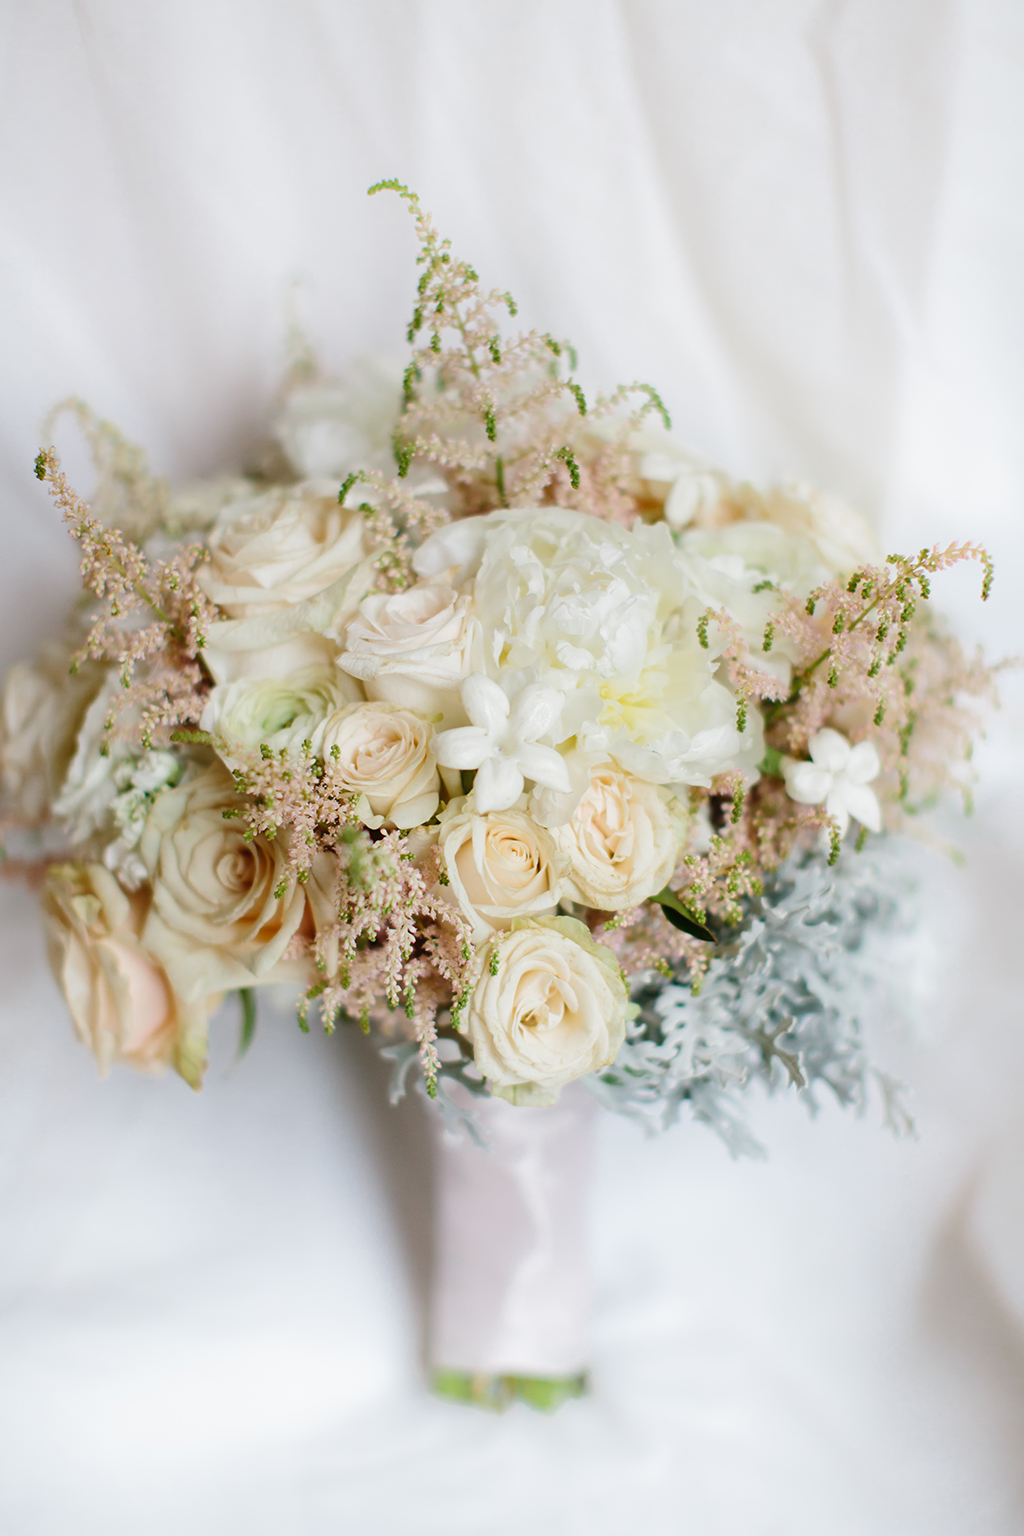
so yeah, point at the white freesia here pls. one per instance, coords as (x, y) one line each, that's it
(415, 648)
(622, 842)
(501, 743)
(278, 712)
(386, 755)
(285, 566)
(838, 776)
(549, 1005)
(499, 867)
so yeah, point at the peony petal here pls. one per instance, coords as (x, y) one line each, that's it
(534, 712)
(864, 764)
(497, 786)
(830, 750)
(485, 703)
(464, 747)
(862, 803)
(544, 766)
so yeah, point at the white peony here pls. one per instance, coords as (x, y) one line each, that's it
(386, 756)
(285, 566)
(606, 617)
(415, 648)
(622, 843)
(499, 867)
(549, 1005)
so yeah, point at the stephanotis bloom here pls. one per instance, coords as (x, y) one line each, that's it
(501, 742)
(839, 775)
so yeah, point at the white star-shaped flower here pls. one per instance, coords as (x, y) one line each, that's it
(501, 744)
(838, 775)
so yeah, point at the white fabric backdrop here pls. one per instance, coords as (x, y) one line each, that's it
(803, 221)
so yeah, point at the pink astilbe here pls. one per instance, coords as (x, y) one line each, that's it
(498, 415)
(291, 794)
(163, 680)
(390, 950)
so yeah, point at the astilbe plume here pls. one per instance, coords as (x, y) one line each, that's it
(498, 414)
(158, 661)
(388, 948)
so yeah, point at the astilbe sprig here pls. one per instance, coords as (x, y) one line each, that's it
(499, 414)
(390, 951)
(151, 621)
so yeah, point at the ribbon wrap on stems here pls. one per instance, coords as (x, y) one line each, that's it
(510, 1309)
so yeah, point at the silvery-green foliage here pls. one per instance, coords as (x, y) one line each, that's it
(783, 1002)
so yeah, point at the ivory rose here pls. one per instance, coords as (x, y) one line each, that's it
(549, 1005)
(622, 842)
(284, 566)
(123, 1004)
(499, 867)
(217, 920)
(414, 648)
(385, 755)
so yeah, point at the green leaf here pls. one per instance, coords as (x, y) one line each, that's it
(247, 998)
(678, 916)
(771, 764)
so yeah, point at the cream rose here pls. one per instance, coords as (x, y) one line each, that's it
(385, 755)
(122, 1002)
(278, 712)
(40, 716)
(284, 566)
(622, 842)
(414, 649)
(216, 920)
(499, 867)
(549, 1005)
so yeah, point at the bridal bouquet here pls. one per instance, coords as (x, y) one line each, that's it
(493, 722)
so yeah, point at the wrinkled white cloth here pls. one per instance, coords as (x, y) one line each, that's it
(804, 222)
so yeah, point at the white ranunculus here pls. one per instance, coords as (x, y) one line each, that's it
(385, 755)
(216, 921)
(285, 566)
(41, 715)
(499, 867)
(278, 712)
(548, 1005)
(122, 1002)
(414, 648)
(622, 843)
